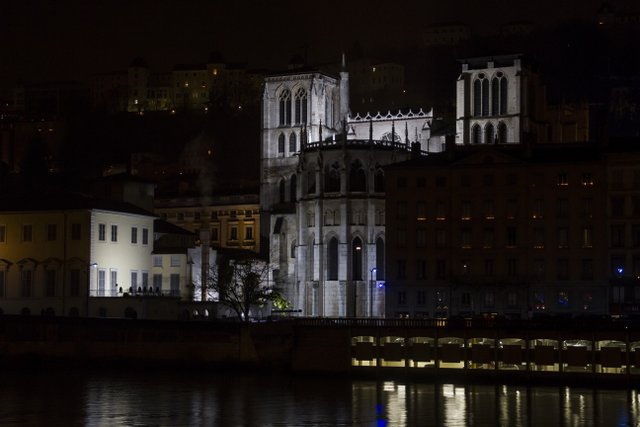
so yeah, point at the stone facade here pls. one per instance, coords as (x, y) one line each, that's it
(322, 191)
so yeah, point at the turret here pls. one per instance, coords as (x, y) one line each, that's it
(344, 90)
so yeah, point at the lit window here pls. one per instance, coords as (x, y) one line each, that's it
(562, 179)
(587, 179)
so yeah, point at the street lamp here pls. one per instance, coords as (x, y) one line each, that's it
(372, 280)
(95, 264)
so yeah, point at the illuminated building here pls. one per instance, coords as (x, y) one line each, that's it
(322, 190)
(57, 251)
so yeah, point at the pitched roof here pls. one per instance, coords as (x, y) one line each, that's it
(65, 202)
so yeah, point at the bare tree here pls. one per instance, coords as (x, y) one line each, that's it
(242, 284)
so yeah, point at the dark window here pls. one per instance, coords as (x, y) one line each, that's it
(502, 133)
(617, 206)
(587, 269)
(356, 259)
(102, 231)
(52, 232)
(617, 236)
(332, 178)
(441, 269)
(145, 236)
(285, 108)
(489, 134)
(281, 143)
(357, 177)
(114, 233)
(421, 269)
(332, 259)
(134, 235)
(476, 134)
(402, 269)
(26, 277)
(563, 269)
(301, 106)
(50, 283)
(293, 143)
(75, 231)
(511, 237)
(378, 182)
(27, 233)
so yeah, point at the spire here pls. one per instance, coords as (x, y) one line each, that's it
(406, 133)
(344, 62)
(393, 131)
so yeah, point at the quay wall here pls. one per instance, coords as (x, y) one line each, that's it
(591, 352)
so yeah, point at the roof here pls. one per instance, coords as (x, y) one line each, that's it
(65, 202)
(539, 153)
(302, 70)
(165, 227)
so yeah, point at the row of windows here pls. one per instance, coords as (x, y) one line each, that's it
(488, 209)
(356, 217)
(511, 240)
(333, 260)
(425, 269)
(439, 300)
(285, 107)
(490, 134)
(50, 233)
(102, 234)
(494, 94)
(293, 142)
(50, 286)
(214, 215)
(487, 180)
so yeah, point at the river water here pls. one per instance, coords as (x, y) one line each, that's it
(55, 397)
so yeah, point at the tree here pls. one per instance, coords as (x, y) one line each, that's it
(242, 284)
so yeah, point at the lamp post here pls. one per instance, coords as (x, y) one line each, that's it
(372, 281)
(95, 264)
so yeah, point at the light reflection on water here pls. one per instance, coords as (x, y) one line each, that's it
(233, 399)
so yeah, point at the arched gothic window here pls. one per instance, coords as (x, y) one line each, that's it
(301, 106)
(481, 96)
(378, 180)
(499, 94)
(281, 143)
(502, 133)
(293, 188)
(356, 259)
(311, 254)
(489, 134)
(379, 259)
(293, 143)
(285, 107)
(311, 182)
(475, 134)
(332, 178)
(282, 192)
(332, 259)
(357, 177)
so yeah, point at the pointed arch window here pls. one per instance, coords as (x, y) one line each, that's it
(311, 182)
(311, 257)
(293, 188)
(499, 94)
(475, 134)
(502, 133)
(378, 180)
(281, 192)
(489, 134)
(356, 259)
(481, 96)
(293, 143)
(301, 106)
(332, 178)
(332, 259)
(357, 177)
(281, 143)
(285, 107)
(379, 259)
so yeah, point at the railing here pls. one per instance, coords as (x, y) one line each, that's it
(357, 143)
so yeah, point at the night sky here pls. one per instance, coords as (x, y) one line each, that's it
(45, 40)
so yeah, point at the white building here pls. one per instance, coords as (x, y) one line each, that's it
(498, 100)
(57, 251)
(322, 190)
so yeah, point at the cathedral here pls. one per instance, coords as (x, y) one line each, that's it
(322, 190)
